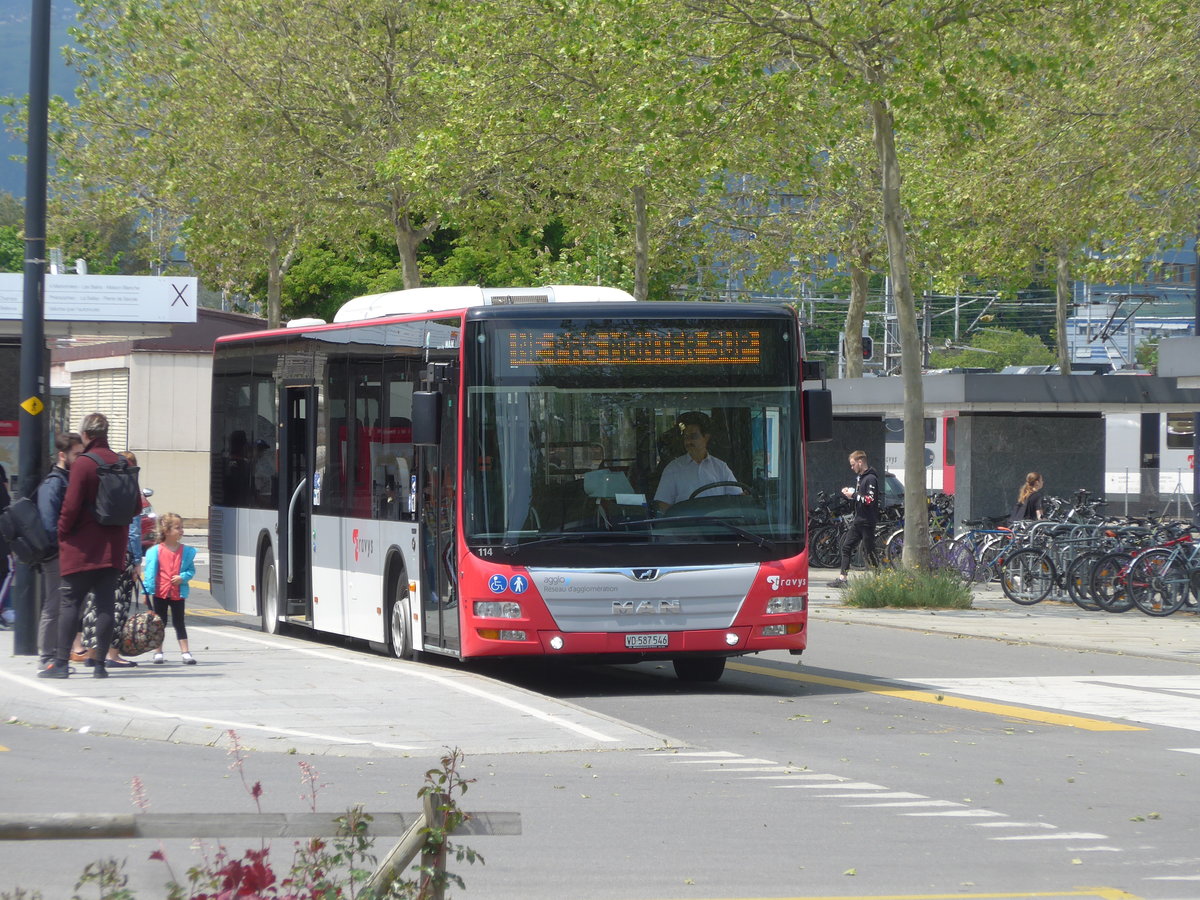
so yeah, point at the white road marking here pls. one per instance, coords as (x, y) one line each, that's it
(847, 786)
(727, 754)
(1057, 836)
(898, 803)
(965, 813)
(1173, 878)
(898, 795)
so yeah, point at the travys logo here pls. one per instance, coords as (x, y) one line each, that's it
(362, 545)
(778, 582)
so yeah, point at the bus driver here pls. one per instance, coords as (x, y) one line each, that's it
(695, 468)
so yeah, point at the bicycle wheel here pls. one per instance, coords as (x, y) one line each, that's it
(1027, 576)
(1108, 582)
(1079, 579)
(988, 556)
(824, 547)
(1157, 582)
(893, 548)
(953, 556)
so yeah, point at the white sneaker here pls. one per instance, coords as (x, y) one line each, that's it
(158, 659)
(188, 660)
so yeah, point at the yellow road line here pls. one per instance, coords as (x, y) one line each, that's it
(984, 706)
(203, 585)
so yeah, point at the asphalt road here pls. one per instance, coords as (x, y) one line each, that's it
(999, 770)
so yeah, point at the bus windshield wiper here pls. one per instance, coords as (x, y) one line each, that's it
(510, 547)
(762, 542)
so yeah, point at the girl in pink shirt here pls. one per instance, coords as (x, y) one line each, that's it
(167, 572)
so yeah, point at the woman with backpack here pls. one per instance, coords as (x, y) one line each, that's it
(1029, 499)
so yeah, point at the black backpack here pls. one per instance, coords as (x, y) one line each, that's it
(21, 526)
(118, 496)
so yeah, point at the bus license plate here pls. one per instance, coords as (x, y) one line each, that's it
(642, 641)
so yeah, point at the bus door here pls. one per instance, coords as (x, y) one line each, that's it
(297, 486)
(438, 466)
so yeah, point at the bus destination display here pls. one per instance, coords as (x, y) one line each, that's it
(649, 346)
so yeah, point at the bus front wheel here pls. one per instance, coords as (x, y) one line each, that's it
(400, 637)
(268, 593)
(704, 668)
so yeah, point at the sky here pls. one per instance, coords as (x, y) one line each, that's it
(14, 73)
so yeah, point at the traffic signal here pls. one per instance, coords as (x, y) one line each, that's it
(868, 347)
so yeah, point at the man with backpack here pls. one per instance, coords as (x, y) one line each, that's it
(50, 496)
(102, 498)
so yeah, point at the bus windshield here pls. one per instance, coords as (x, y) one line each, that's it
(615, 434)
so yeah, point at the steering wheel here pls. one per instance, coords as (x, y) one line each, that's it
(711, 485)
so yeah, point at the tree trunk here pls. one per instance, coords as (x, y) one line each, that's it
(916, 523)
(274, 283)
(856, 311)
(1062, 291)
(641, 245)
(408, 240)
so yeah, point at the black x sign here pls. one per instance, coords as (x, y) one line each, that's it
(179, 298)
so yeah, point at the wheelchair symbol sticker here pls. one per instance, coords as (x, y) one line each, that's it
(519, 584)
(497, 584)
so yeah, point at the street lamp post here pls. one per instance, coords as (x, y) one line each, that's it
(33, 336)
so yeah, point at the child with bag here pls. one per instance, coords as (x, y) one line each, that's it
(168, 569)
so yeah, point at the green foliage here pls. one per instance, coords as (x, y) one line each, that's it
(12, 249)
(12, 210)
(907, 588)
(995, 348)
(322, 278)
(1147, 355)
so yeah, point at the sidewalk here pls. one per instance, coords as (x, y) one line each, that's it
(1050, 623)
(282, 693)
(286, 693)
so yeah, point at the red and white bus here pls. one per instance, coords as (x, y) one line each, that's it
(472, 472)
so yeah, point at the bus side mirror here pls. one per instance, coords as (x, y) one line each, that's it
(818, 415)
(426, 417)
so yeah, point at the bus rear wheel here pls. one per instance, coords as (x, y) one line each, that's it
(268, 593)
(400, 637)
(704, 668)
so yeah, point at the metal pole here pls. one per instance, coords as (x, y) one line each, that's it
(33, 336)
(1196, 416)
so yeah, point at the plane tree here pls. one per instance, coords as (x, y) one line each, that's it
(904, 64)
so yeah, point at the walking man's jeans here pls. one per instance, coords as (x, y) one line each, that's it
(859, 532)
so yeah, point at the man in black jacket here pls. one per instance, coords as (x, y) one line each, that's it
(866, 497)
(49, 501)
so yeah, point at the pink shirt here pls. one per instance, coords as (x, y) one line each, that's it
(169, 563)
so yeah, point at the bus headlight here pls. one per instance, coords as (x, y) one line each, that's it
(777, 605)
(497, 609)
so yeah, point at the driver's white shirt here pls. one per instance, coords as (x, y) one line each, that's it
(683, 475)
